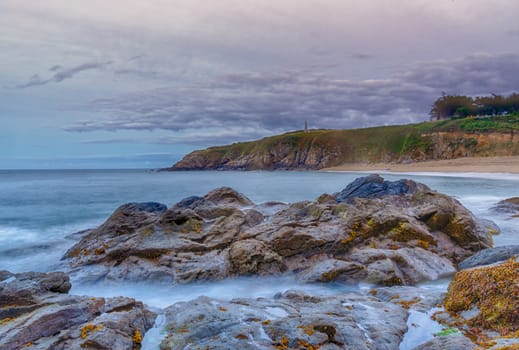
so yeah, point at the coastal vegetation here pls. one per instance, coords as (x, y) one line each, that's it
(459, 106)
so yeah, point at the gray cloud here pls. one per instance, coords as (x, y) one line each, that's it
(63, 74)
(55, 68)
(362, 56)
(273, 102)
(473, 75)
(192, 138)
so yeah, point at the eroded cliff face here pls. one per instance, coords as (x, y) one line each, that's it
(282, 156)
(317, 151)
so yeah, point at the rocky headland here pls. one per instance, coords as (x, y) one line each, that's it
(390, 234)
(389, 145)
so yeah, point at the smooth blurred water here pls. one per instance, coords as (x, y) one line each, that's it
(39, 209)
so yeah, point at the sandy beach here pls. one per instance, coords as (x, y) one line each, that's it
(459, 165)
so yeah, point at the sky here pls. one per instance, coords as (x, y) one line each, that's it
(126, 83)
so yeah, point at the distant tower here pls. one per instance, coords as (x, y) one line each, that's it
(306, 125)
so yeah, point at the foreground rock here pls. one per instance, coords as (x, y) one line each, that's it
(37, 313)
(374, 230)
(484, 302)
(292, 320)
(452, 342)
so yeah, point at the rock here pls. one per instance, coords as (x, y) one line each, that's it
(418, 235)
(489, 256)
(226, 195)
(292, 320)
(450, 342)
(374, 186)
(509, 205)
(333, 270)
(485, 299)
(189, 202)
(409, 265)
(414, 298)
(131, 216)
(36, 312)
(270, 208)
(252, 257)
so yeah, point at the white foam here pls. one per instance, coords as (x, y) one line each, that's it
(476, 175)
(11, 236)
(155, 335)
(8, 280)
(276, 312)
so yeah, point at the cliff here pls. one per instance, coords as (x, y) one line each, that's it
(317, 149)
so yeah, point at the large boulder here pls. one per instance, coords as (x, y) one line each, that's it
(37, 313)
(292, 320)
(383, 232)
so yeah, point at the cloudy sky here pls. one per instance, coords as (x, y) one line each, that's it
(126, 83)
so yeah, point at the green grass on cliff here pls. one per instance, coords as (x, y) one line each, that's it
(376, 144)
(503, 123)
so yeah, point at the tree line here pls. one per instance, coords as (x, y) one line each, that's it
(458, 106)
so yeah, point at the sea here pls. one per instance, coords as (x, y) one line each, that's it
(41, 209)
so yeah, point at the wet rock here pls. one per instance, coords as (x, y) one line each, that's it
(293, 320)
(270, 208)
(509, 205)
(36, 312)
(451, 342)
(408, 297)
(374, 186)
(189, 202)
(402, 233)
(490, 256)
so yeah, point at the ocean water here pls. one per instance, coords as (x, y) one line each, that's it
(39, 210)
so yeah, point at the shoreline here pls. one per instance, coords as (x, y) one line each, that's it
(503, 165)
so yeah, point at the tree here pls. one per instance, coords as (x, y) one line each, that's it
(512, 103)
(449, 106)
(457, 106)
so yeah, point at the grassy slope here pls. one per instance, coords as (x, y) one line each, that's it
(384, 143)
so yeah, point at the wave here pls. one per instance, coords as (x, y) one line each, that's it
(14, 235)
